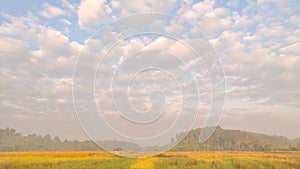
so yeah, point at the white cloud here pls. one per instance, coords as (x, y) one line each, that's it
(51, 11)
(293, 49)
(65, 22)
(92, 13)
(212, 24)
(68, 5)
(23, 27)
(198, 10)
(12, 51)
(142, 6)
(259, 48)
(29, 76)
(210, 19)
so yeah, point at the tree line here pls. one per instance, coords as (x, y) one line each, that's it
(221, 140)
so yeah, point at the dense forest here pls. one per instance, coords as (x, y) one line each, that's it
(222, 140)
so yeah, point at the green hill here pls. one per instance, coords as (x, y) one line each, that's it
(221, 140)
(235, 140)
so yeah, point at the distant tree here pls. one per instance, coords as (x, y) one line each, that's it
(47, 137)
(9, 131)
(56, 139)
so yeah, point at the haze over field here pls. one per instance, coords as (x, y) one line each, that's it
(258, 44)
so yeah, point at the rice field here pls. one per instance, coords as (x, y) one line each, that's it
(170, 160)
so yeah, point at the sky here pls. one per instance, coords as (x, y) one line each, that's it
(249, 53)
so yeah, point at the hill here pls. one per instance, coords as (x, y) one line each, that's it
(221, 140)
(235, 140)
(12, 141)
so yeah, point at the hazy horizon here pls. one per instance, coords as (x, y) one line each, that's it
(87, 138)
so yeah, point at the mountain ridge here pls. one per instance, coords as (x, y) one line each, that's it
(221, 140)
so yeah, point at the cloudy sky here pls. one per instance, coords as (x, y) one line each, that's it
(257, 45)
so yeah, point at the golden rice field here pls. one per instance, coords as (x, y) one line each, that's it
(171, 160)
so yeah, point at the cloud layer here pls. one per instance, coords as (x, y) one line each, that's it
(258, 44)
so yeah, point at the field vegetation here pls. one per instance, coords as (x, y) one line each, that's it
(170, 160)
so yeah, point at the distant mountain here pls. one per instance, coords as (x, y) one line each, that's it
(221, 140)
(235, 140)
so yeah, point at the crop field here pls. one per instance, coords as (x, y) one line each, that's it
(170, 160)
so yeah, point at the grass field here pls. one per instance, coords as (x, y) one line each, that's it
(182, 160)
